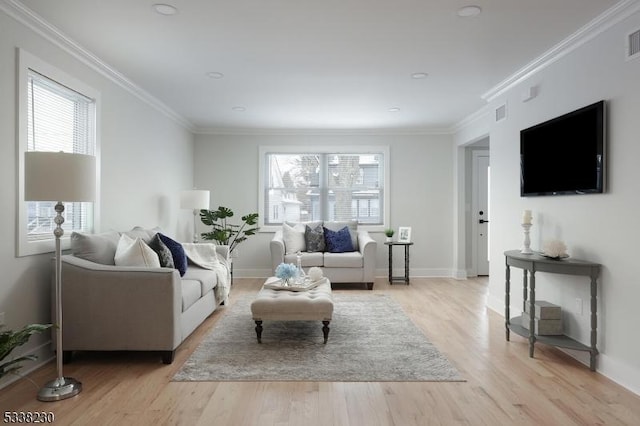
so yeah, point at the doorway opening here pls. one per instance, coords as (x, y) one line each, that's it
(478, 213)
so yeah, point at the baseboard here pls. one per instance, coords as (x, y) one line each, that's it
(461, 274)
(625, 375)
(496, 304)
(379, 273)
(44, 354)
(417, 273)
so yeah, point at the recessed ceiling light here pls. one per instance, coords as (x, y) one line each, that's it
(394, 109)
(165, 9)
(419, 75)
(469, 11)
(214, 74)
(239, 109)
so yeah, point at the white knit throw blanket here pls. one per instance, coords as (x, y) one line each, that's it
(205, 256)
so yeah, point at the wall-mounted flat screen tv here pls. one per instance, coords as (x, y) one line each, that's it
(565, 155)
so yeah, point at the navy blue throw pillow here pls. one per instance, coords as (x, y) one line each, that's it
(179, 256)
(338, 241)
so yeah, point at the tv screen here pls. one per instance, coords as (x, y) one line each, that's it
(564, 155)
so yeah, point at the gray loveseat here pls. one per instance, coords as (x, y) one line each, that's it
(351, 266)
(134, 308)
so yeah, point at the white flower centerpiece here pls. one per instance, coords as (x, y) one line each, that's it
(287, 278)
(286, 272)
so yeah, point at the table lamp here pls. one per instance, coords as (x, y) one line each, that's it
(196, 200)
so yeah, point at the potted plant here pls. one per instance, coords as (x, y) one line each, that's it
(9, 340)
(389, 233)
(225, 233)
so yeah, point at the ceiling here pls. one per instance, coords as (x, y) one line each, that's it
(301, 64)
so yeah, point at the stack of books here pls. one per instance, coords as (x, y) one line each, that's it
(547, 318)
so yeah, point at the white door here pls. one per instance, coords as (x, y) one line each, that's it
(481, 214)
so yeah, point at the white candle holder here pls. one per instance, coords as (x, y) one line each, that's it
(526, 249)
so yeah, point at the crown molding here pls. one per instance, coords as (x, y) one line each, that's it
(597, 26)
(39, 25)
(322, 132)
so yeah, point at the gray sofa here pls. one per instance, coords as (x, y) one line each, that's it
(357, 266)
(107, 307)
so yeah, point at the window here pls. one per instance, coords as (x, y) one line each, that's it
(298, 185)
(56, 114)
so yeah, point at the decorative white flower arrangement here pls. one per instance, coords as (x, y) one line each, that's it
(555, 248)
(286, 271)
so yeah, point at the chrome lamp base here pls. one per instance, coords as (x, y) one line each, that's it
(60, 388)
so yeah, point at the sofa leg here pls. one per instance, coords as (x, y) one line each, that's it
(168, 356)
(369, 286)
(325, 330)
(259, 330)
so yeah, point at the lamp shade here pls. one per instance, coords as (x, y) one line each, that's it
(194, 199)
(59, 176)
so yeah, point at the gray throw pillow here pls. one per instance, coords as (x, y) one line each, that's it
(163, 252)
(314, 238)
(98, 248)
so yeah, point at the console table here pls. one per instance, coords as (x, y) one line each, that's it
(532, 263)
(390, 244)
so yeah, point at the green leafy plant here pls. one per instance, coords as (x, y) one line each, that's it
(389, 232)
(9, 340)
(225, 233)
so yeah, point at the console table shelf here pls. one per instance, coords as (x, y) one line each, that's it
(559, 341)
(532, 263)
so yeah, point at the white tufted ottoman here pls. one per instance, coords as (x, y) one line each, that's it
(283, 305)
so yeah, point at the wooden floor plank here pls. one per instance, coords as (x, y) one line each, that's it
(503, 385)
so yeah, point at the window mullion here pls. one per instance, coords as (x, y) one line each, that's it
(324, 186)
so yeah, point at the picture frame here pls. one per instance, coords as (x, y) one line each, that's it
(404, 234)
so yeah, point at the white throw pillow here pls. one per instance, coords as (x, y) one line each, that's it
(135, 252)
(293, 237)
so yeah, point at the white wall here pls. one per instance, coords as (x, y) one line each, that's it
(146, 160)
(601, 228)
(421, 192)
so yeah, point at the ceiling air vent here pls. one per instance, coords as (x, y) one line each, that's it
(501, 112)
(633, 45)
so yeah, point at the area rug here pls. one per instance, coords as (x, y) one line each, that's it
(371, 340)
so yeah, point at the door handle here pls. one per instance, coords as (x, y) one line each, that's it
(483, 221)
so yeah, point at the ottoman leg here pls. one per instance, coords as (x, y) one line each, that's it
(325, 330)
(259, 330)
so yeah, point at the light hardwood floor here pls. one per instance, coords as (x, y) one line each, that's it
(503, 385)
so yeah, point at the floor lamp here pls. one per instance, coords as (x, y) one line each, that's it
(57, 176)
(196, 200)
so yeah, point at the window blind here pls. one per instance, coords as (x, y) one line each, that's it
(58, 119)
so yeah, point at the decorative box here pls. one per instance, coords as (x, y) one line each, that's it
(543, 327)
(545, 310)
